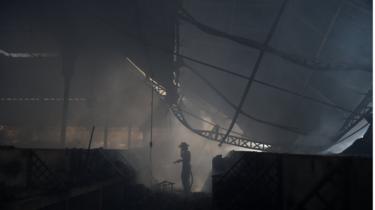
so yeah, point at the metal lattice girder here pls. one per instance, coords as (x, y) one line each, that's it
(364, 108)
(233, 140)
(217, 136)
(213, 135)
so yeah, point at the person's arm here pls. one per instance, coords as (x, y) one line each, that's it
(178, 161)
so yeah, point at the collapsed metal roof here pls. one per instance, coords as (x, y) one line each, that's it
(314, 70)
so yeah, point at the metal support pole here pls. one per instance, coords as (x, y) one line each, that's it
(105, 140)
(65, 111)
(151, 126)
(129, 136)
(89, 147)
(91, 137)
(68, 59)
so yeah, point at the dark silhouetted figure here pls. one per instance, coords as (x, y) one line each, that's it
(186, 175)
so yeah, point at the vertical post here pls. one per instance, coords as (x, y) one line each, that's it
(107, 117)
(151, 126)
(65, 111)
(129, 136)
(68, 60)
(91, 137)
(105, 140)
(89, 147)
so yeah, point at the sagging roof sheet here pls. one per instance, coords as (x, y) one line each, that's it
(333, 32)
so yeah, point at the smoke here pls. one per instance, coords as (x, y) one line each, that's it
(165, 151)
(117, 99)
(330, 32)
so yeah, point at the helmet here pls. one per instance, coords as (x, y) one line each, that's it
(183, 145)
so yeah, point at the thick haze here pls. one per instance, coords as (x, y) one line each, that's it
(327, 31)
(107, 91)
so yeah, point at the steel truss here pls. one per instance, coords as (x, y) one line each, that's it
(214, 134)
(364, 108)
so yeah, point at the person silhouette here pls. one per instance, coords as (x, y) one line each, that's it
(186, 174)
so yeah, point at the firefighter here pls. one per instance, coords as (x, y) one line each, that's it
(186, 174)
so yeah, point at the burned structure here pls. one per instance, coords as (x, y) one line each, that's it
(273, 97)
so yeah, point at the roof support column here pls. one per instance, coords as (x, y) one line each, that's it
(68, 60)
